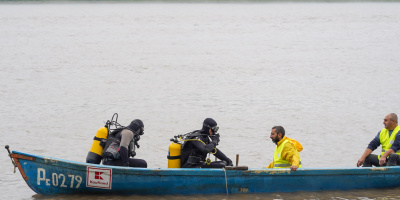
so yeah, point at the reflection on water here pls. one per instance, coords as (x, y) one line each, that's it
(324, 71)
(352, 194)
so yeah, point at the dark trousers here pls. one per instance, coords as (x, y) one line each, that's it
(133, 162)
(373, 159)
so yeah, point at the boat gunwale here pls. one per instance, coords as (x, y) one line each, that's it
(202, 171)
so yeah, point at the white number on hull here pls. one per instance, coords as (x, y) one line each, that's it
(58, 180)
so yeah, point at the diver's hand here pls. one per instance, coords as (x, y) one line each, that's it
(229, 163)
(215, 139)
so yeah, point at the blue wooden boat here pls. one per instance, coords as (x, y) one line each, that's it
(47, 175)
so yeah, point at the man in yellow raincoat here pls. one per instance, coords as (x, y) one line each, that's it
(287, 150)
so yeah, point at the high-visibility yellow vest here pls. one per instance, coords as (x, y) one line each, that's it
(278, 161)
(387, 141)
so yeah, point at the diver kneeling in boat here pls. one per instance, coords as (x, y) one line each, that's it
(198, 144)
(121, 144)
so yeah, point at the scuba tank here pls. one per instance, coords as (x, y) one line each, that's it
(175, 149)
(99, 141)
(174, 154)
(96, 151)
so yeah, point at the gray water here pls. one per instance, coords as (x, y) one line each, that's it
(327, 72)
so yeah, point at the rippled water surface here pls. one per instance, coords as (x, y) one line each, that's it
(327, 72)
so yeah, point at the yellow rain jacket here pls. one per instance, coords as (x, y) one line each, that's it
(290, 152)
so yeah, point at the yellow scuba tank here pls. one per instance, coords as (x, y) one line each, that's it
(96, 151)
(174, 155)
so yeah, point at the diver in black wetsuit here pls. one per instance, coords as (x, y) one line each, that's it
(120, 146)
(198, 144)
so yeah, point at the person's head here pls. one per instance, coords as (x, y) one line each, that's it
(277, 133)
(390, 121)
(136, 126)
(210, 126)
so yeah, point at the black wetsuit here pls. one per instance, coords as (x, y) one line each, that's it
(194, 153)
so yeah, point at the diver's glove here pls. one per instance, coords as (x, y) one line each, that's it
(229, 162)
(215, 139)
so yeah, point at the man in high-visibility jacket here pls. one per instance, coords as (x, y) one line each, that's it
(287, 150)
(389, 138)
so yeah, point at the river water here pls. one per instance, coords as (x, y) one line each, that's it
(327, 72)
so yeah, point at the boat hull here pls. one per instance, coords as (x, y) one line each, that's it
(46, 175)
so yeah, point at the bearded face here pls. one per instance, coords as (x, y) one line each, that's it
(274, 136)
(275, 139)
